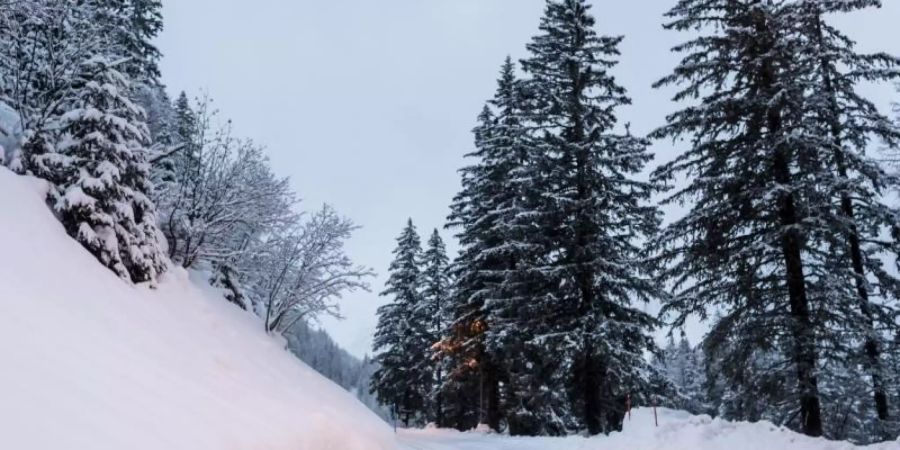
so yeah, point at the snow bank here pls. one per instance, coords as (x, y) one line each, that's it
(88, 362)
(677, 430)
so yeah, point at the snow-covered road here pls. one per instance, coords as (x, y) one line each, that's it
(424, 440)
(676, 431)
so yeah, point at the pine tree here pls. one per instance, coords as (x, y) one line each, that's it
(785, 198)
(186, 125)
(163, 150)
(494, 285)
(599, 213)
(143, 24)
(128, 30)
(82, 132)
(434, 310)
(43, 44)
(855, 181)
(683, 377)
(743, 242)
(512, 230)
(465, 346)
(103, 177)
(187, 135)
(403, 379)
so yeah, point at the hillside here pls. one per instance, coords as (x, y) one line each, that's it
(90, 362)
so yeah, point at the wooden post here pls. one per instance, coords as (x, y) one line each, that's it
(655, 419)
(628, 405)
(395, 415)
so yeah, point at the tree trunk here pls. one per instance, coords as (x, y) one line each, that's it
(804, 339)
(407, 408)
(586, 376)
(490, 396)
(590, 382)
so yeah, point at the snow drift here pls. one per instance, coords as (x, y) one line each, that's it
(89, 362)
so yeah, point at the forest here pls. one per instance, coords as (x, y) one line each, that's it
(787, 249)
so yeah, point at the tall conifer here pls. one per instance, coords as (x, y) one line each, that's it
(599, 211)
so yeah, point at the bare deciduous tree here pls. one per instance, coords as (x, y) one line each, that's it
(306, 270)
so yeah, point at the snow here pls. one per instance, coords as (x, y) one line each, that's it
(89, 362)
(677, 430)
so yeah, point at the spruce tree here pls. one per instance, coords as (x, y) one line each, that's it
(433, 311)
(43, 46)
(185, 119)
(103, 180)
(143, 22)
(180, 172)
(163, 150)
(742, 243)
(473, 285)
(186, 129)
(513, 230)
(493, 281)
(841, 128)
(403, 378)
(683, 376)
(599, 211)
(785, 231)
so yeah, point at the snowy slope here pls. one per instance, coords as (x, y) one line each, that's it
(676, 431)
(88, 362)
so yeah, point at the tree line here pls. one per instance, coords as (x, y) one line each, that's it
(787, 248)
(147, 184)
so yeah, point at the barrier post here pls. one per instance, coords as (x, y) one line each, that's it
(628, 405)
(655, 419)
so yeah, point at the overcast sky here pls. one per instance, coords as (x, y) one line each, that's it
(368, 105)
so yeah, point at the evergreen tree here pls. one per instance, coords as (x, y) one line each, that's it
(515, 239)
(43, 44)
(758, 391)
(742, 242)
(784, 198)
(684, 378)
(103, 177)
(143, 24)
(841, 127)
(599, 212)
(163, 151)
(434, 311)
(186, 126)
(494, 285)
(472, 370)
(187, 134)
(403, 378)
(160, 116)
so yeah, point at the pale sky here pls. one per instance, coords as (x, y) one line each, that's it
(368, 104)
